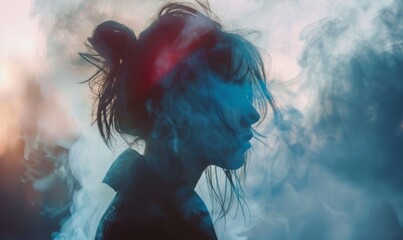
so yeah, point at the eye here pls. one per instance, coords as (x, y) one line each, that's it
(247, 89)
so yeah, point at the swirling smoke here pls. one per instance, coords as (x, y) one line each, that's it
(330, 168)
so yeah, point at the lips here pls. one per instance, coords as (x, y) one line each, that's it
(248, 136)
(244, 140)
(248, 145)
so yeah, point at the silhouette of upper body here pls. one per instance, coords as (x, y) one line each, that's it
(188, 89)
(146, 206)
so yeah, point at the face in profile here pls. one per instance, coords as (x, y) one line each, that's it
(221, 123)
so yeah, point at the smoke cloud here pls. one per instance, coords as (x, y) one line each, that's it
(330, 168)
(335, 170)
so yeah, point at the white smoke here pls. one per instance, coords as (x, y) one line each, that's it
(294, 189)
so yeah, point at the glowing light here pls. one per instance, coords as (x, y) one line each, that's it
(9, 82)
(9, 125)
(10, 109)
(4, 75)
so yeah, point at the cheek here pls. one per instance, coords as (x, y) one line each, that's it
(224, 150)
(211, 134)
(228, 110)
(230, 118)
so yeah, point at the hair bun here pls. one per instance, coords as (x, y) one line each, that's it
(113, 40)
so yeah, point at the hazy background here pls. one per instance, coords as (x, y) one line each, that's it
(331, 168)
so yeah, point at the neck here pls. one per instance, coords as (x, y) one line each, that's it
(175, 168)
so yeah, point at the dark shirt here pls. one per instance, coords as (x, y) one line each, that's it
(147, 207)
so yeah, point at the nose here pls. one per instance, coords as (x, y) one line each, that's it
(250, 116)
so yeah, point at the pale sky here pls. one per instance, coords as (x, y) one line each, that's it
(17, 30)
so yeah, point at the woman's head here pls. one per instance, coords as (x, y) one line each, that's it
(210, 122)
(178, 49)
(184, 82)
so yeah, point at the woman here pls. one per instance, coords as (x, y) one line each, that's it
(187, 89)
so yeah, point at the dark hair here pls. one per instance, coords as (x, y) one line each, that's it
(130, 85)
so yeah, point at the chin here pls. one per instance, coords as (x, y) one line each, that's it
(235, 162)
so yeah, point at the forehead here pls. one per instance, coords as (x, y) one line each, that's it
(229, 91)
(238, 68)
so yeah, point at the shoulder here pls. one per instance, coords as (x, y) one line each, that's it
(143, 217)
(121, 171)
(135, 217)
(145, 207)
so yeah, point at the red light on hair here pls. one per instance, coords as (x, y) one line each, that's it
(179, 43)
